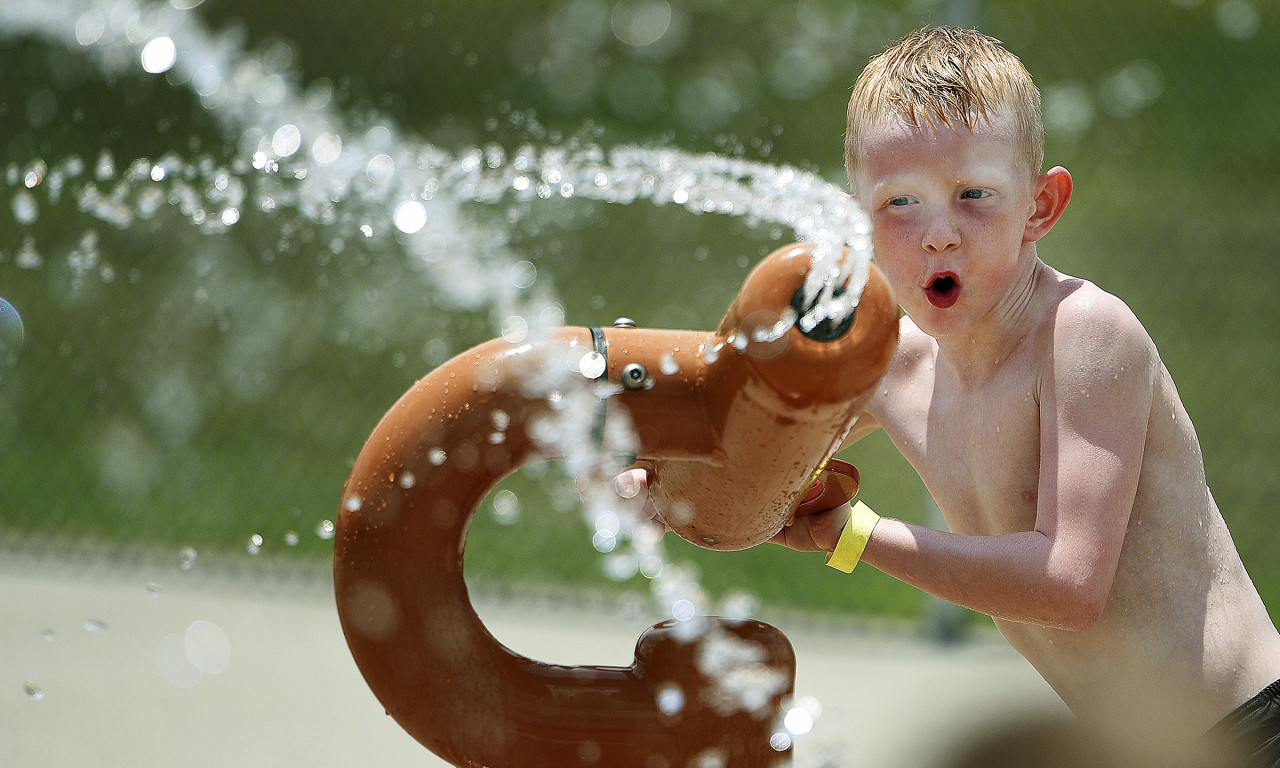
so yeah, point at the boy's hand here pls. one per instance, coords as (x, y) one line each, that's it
(626, 493)
(633, 485)
(819, 532)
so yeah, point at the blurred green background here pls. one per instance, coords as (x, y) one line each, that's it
(186, 388)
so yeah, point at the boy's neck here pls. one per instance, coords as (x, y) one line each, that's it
(973, 356)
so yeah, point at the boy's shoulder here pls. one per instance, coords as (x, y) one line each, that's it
(1094, 333)
(1081, 312)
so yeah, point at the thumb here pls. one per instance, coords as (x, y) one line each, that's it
(629, 484)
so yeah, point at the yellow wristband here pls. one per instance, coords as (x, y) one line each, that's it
(854, 538)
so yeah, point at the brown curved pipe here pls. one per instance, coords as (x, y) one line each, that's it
(733, 438)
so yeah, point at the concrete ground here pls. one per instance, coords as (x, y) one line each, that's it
(136, 666)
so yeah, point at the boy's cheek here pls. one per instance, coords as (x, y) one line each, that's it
(899, 276)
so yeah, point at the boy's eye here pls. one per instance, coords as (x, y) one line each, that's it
(899, 201)
(974, 194)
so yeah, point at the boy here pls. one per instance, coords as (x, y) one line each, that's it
(1039, 415)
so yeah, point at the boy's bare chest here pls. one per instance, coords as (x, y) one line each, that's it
(977, 450)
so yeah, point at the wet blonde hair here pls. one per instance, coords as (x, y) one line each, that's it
(945, 76)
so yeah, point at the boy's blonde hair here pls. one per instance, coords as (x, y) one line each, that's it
(945, 76)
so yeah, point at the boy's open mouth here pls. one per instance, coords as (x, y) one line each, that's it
(943, 290)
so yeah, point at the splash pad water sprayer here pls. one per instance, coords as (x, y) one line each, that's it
(734, 438)
(733, 425)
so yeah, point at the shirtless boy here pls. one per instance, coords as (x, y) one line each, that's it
(1039, 415)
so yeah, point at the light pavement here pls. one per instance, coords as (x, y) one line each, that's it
(123, 666)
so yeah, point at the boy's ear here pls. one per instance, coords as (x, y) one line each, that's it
(1052, 193)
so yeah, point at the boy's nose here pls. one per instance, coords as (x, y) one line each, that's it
(941, 235)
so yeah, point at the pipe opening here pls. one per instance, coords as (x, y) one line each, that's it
(828, 328)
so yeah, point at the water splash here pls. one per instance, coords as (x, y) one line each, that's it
(299, 154)
(294, 152)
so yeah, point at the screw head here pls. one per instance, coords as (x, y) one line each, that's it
(634, 376)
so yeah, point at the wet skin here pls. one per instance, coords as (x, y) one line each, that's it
(1038, 413)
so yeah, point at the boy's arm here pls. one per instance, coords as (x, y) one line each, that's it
(1095, 398)
(865, 425)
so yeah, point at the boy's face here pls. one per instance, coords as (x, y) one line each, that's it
(949, 210)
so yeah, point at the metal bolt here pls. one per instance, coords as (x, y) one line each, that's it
(634, 376)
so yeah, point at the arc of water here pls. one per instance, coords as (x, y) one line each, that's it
(312, 159)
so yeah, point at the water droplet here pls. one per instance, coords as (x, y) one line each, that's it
(33, 691)
(187, 558)
(501, 419)
(711, 757)
(410, 216)
(1237, 19)
(28, 256)
(25, 208)
(620, 566)
(96, 626)
(436, 456)
(683, 609)
(523, 274)
(798, 721)
(353, 503)
(506, 507)
(607, 522)
(711, 354)
(207, 647)
(668, 365)
(254, 545)
(407, 480)
(159, 54)
(48, 635)
(381, 169)
(291, 538)
(325, 529)
(651, 566)
(326, 148)
(670, 699)
(515, 328)
(739, 605)
(153, 588)
(286, 140)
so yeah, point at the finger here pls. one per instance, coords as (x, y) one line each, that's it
(629, 484)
